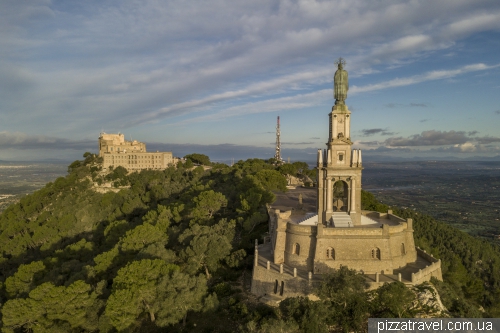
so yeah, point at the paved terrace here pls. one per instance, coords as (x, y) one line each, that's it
(289, 201)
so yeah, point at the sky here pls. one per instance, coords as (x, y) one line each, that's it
(212, 76)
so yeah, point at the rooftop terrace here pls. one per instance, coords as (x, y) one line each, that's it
(289, 201)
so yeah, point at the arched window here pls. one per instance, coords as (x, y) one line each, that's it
(276, 287)
(403, 250)
(376, 253)
(296, 249)
(282, 288)
(330, 253)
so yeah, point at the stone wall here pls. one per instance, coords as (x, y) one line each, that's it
(277, 232)
(303, 238)
(319, 249)
(352, 247)
(369, 254)
(425, 274)
(279, 280)
(272, 282)
(138, 161)
(285, 280)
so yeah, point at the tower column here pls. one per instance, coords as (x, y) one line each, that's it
(353, 195)
(347, 126)
(329, 191)
(321, 192)
(325, 190)
(334, 120)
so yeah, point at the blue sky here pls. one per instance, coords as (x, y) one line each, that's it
(211, 77)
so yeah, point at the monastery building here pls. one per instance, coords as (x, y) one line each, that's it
(131, 155)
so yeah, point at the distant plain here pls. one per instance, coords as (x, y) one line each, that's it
(463, 194)
(20, 178)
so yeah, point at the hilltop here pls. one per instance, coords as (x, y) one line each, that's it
(72, 257)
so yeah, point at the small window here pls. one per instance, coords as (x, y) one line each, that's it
(296, 249)
(403, 250)
(276, 287)
(376, 253)
(330, 253)
(282, 287)
(341, 157)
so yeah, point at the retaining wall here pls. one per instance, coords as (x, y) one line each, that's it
(425, 274)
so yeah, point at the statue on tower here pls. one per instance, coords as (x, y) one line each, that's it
(340, 83)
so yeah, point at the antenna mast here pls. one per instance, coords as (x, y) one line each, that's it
(277, 155)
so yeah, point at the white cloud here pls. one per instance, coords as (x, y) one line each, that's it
(429, 76)
(260, 88)
(479, 22)
(19, 140)
(429, 138)
(404, 44)
(270, 105)
(467, 147)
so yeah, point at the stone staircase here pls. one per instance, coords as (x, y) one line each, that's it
(309, 220)
(341, 220)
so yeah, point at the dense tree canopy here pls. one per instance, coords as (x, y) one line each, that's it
(143, 256)
(198, 159)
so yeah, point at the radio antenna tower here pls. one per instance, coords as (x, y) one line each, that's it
(277, 155)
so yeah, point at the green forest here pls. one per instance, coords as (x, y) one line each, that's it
(171, 251)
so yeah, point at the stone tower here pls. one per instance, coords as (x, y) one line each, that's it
(301, 246)
(339, 166)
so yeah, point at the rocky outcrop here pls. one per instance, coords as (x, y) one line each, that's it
(428, 303)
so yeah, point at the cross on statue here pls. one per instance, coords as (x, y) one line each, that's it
(340, 61)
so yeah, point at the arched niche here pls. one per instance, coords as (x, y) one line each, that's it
(340, 196)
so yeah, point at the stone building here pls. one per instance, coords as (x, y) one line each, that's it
(303, 245)
(131, 155)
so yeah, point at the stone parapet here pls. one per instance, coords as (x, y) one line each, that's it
(427, 256)
(376, 232)
(352, 232)
(280, 280)
(425, 274)
(301, 229)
